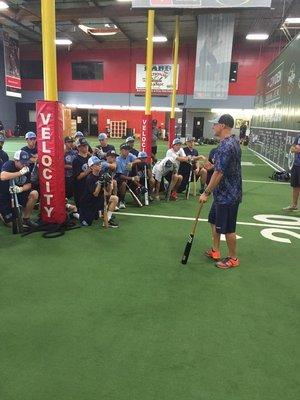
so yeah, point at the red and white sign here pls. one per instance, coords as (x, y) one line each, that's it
(49, 119)
(12, 63)
(161, 78)
(146, 136)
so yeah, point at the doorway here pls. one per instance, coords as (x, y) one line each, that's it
(198, 126)
(93, 124)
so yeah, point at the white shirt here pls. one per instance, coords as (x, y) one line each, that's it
(174, 154)
(159, 170)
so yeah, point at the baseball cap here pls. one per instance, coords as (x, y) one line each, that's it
(69, 139)
(93, 160)
(30, 135)
(225, 119)
(124, 146)
(176, 141)
(142, 154)
(189, 139)
(79, 134)
(111, 153)
(2, 138)
(82, 142)
(102, 136)
(129, 139)
(22, 156)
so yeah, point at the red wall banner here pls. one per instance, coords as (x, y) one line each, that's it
(49, 121)
(146, 135)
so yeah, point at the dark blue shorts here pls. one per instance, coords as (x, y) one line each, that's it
(224, 217)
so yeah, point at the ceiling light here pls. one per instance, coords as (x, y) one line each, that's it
(124, 1)
(106, 31)
(257, 36)
(292, 21)
(3, 5)
(159, 39)
(64, 42)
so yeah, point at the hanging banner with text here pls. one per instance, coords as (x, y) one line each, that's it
(213, 57)
(200, 3)
(49, 121)
(161, 78)
(11, 63)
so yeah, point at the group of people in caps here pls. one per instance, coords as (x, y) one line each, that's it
(99, 178)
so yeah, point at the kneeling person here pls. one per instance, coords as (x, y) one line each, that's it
(15, 178)
(93, 199)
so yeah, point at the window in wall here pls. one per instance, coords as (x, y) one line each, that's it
(87, 70)
(31, 69)
(233, 72)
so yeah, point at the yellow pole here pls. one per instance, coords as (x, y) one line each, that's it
(49, 49)
(150, 32)
(175, 66)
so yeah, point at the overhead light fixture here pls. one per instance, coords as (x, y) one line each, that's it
(108, 30)
(3, 5)
(159, 39)
(257, 36)
(124, 1)
(292, 20)
(63, 42)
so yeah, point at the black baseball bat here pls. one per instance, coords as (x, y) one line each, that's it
(14, 215)
(134, 196)
(190, 240)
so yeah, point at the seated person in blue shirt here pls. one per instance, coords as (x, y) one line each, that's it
(15, 178)
(3, 154)
(69, 156)
(125, 162)
(103, 148)
(143, 171)
(98, 186)
(130, 142)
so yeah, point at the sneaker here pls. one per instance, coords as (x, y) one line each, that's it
(122, 205)
(113, 224)
(172, 197)
(84, 223)
(174, 194)
(27, 223)
(213, 254)
(117, 208)
(290, 208)
(157, 198)
(228, 263)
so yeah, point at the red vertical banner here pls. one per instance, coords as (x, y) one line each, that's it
(146, 136)
(171, 131)
(49, 121)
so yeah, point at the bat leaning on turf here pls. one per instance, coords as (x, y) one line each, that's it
(134, 196)
(146, 186)
(17, 219)
(105, 216)
(190, 240)
(187, 190)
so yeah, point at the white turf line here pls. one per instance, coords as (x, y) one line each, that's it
(205, 220)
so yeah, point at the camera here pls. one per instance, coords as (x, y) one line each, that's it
(105, 179)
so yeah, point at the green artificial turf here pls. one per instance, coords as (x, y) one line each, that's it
(113, 315)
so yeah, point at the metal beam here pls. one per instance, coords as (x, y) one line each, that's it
(26, 28)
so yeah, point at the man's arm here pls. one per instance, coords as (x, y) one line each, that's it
(6, 176)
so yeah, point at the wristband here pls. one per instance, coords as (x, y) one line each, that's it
(207, 192)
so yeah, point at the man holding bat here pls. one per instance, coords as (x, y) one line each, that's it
(17, 171)
(226, 186)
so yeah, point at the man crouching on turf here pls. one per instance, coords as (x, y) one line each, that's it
(166, 168)
(98, 186)
(226, 185)
(15, 178)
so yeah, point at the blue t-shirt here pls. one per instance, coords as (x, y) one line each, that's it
(3, 157)
(228, 161)
(122, 162)
(297, 155)
(69, 156)
(10, 166)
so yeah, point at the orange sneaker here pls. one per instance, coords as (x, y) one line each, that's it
(213, 254)
(228, 263)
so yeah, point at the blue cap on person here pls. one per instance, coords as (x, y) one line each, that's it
(79, 134)
(2, 138)
(82, 142)
(142, 154)
(130, 139)
(102, 136)
(176, 141)
(30, 135)
(93, 160)
(22, 156)
(225, 119)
